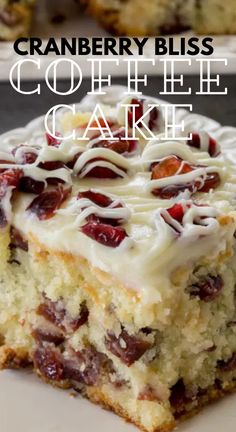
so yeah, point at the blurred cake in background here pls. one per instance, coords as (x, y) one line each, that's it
(140, 18)
(215, 17)
(157, 17)
(118, 17)
(15, 18)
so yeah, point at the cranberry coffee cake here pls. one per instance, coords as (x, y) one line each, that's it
(117, 270)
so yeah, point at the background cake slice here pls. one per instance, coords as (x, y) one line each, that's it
(215, 17)
(138, 18)
(15, 18)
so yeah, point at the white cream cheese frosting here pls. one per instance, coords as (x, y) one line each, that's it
(152, 249)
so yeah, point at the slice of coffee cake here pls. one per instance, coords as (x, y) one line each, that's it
(117, 270)
(15, 18)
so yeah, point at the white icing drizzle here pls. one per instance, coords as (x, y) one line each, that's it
(84, 207)
(145, 259)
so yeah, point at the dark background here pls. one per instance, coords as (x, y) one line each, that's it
(16, 109)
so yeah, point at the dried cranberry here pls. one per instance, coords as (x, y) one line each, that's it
(153, 118)
(29, 185)
(212, 182)
(136, 112)
(9, 178)
(27, 157)
(128, 348)
(46, 336)
(76, 323)
(169, 167)
(102, 201)
(178, 397)
(196, 141)
(172, 165)
(176, 212)
(17, 240)
(52, 141)
(172, 191)
(229, 365)
(53, 312)
(47, 203)
(105, 234)
(86, 367)
(96, 197)
(72, 163)
(48, 361)
(51, 165)
(214, 149)
(118, 146)
(101, 172)
(208, 289)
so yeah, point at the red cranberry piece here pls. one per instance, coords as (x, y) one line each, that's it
(212, 181)
(229, 365)
(119, 145)
(51, 165)
(96, 197)
(47, 203)
(102, 201)
(92, 362)
(46, 336)
(137, 111)
(208, 289)
(53, 312)
(29, 185)
(72, 163)
(116, 146)
(27, 157)
(169, 167)
(48, 362)
(101, 172)
(76, 323)
(214, 149)
(9, 178)
(53, 141)
(153, 118)
(176, 212)
(17, 240)
(178, 397)
(128, 348)
(105, 234)
(172, 191)
(196, 141)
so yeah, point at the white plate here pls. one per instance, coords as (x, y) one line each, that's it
(28, 405)
(79, 25)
